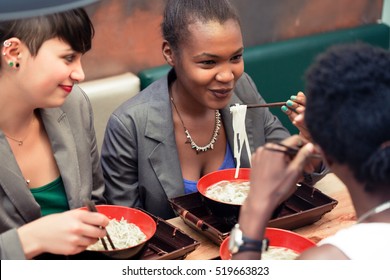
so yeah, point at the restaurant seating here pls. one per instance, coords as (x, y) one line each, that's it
(278, 68)
(106, 95)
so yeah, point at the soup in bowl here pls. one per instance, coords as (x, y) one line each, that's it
(223, 194)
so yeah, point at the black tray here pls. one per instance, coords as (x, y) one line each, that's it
(168, 243)
(306, 206)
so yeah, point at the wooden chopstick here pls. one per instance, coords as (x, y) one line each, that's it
(291, 151)
(91, 207)
(275, 104)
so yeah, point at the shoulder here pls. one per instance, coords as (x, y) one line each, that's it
(347, 243)
(245, 81)
(78, 95)
(323, 252)
(77, 105)
(76, 101)
(151, 104)
(246, 89)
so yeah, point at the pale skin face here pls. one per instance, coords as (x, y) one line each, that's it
(41, 81)
(209, 63)
(45, 80)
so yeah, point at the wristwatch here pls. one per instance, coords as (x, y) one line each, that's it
(240, 243)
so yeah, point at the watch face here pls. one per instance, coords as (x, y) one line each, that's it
(235, 240)
(232, 248)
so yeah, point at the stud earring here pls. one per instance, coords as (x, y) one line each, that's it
(12, 64)
(7, 44)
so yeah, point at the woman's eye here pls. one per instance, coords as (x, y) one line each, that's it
(208, 62)
(237, 57)
(69, 58)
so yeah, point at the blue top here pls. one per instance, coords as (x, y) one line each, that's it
(228, 162)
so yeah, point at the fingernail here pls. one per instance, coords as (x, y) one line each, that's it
(289, 103)
(284, 108)
(293, 97)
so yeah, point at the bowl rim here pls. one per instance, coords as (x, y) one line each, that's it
(224, 250)
(202, 190)
(135, 210)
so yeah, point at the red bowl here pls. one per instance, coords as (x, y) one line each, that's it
(146, 224)
(227, 211)
(278, 238)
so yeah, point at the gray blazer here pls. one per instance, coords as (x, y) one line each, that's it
(71, 132)
(140, 161)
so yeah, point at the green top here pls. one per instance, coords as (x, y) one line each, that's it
(51, 197)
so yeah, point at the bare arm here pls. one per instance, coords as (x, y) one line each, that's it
(273, 179)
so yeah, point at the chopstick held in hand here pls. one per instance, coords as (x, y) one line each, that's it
(265, 105)
(91, 207)
(291, 151)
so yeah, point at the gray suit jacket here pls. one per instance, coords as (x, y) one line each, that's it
(71, 132)
(140, 161)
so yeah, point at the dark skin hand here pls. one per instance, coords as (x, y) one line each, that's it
(274, 181)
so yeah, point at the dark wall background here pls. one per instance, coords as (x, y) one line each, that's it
(128, 31)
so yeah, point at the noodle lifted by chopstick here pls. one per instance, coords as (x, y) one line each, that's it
(240, 137)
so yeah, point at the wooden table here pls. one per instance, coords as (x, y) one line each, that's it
(343, 215)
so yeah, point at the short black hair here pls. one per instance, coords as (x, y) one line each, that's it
(179, 14)
(73, 27)
(347, 113)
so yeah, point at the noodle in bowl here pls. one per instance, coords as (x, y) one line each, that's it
(123, 235)
(234, 192)
(283, 245)
(129, 228)
(223, 193)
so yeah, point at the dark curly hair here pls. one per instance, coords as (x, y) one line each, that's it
(179, 14)
(348, 109)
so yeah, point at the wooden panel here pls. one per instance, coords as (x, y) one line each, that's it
(128, 36)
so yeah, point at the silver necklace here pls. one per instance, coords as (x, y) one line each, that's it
(214, 138)
(378, 209)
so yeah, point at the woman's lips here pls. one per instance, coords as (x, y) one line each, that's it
(66, 88)
(221, 93)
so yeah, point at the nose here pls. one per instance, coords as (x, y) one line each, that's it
(77, 73)
(226, 75)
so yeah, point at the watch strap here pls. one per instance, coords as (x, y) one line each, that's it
(253, 245)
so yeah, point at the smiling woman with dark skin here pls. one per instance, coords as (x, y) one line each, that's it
(159, 143)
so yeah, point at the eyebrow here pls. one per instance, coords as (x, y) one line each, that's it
(216, 56)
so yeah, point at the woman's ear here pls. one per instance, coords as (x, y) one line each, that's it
(168, 53)
(11, 51)
(11, 47)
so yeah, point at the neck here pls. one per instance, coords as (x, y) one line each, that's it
(186, 104)
(16, 127)
(363, 201)
(375, 213)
